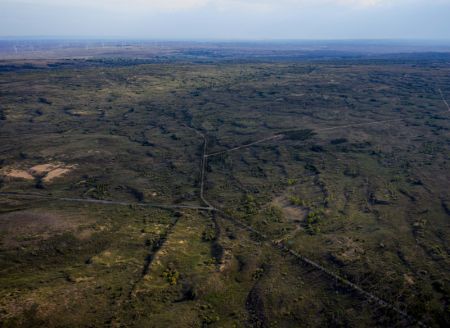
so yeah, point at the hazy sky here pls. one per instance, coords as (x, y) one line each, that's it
(227, 19)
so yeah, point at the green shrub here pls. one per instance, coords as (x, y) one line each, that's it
(291, 182)
(209, 234)
(296, 201)
(273, 213)
(171, 275)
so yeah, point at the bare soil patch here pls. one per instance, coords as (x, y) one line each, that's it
(346, 250)
(19, 174)
(48, 172)
(41, 168)
(56, 173)
(291, 212)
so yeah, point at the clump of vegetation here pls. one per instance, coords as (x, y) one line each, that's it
(94, 188)
(171, 276)
(210, 261)
(296, 201)
(314, 217)
(273, 213)
(312, 221)
(291, 182)
(249, 205)
(208, 315)
(258, 274)
(209, 234)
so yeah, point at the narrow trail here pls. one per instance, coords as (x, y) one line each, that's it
(279, 245)
(359, 124)
(276, 136)
(103, 202)
(443, 99)
(203, 173)
(280, 135)
(202, 167)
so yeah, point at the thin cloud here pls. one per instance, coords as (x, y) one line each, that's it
(240, 19)
(182, 5)
(164, 5)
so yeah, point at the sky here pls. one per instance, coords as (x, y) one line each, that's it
(227, 19)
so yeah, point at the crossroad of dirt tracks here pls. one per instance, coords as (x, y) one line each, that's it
(279, 245)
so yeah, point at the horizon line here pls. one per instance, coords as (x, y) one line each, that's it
(193, 39)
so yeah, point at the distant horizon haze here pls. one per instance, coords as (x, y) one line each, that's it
(227, 20)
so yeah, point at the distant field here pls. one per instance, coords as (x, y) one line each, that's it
(343, 161)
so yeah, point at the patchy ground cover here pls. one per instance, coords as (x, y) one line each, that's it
(367, 201)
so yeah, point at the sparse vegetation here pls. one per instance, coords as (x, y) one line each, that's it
(369, 202)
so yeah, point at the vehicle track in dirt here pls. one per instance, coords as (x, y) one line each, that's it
(103, 202)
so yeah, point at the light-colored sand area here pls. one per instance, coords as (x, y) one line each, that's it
(41, 168)
(291, 212)
(56, 173)
(48, 172)
(20, 174)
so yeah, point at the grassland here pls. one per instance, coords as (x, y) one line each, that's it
(352, 172)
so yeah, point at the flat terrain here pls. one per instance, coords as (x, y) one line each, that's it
(225, 193)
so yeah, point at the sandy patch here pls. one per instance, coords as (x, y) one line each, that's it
(51, 171)
(82, 113)
(294, 213)
(48, 172)
(81, 279)
(291, 212)
(85, 234)
(41, 169)
(226, 260)
(409, 279)
(79, 112)
(19, 174)
(109, 258)
(56, 173)
(346, 250)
